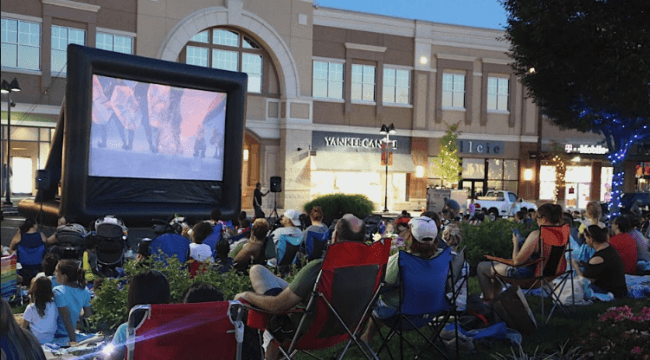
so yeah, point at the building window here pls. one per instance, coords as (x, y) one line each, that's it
(196, 56)
(117, 43)
(396, 86)
(498, 93)
(61, 37)
(227, 50)
(363, 82)
(21, 44)
(453, 91)
(328, 80)
(503, 175)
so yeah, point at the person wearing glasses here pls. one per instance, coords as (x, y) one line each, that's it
(522, 251)
(605, 269)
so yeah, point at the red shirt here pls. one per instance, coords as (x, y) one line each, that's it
(626, 248)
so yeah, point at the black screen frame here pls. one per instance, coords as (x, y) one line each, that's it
(149, 197)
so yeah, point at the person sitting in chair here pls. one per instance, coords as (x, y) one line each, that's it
(605, 269)
(547, 215)
(423, 233)
(274, 295)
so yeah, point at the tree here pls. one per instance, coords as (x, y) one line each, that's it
(586, 64)
(449, 166)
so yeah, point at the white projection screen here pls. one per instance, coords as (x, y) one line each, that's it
(152, 131)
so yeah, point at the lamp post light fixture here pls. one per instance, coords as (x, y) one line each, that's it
(8, 88)
(387, 130)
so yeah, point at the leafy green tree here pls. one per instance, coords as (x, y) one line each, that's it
(586, 64)
(449, 165)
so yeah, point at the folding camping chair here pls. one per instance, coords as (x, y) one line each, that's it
(214, 238)
(170, 245)
(9, 285)
(551, 265)
(346, 287)
(422, 300)
(316, 244)
(212, 330)
(287, 250)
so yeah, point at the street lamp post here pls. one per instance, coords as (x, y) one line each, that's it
(387, 130)
(8, 88)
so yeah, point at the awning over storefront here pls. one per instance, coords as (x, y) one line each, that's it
(364, 162)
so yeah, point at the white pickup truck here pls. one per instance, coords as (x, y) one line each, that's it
(501, 203)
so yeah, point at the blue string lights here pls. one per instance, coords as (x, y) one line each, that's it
(616, 159)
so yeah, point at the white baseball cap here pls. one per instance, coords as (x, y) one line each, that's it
(423, 228)
(293, 215)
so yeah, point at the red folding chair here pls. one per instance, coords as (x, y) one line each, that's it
(346, 288)
(212, 330)
(552, 264)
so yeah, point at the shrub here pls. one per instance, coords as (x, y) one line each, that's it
(489, 238)
(336, 205)
(109, 303)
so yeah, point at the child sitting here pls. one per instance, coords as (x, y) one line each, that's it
(200, 292)
(223, 263)
(70, 298)
(41, 314)
(49, 264)
(89, 262)
(198, 250)
(148, 287)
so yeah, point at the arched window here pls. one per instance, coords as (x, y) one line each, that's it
(227, 49)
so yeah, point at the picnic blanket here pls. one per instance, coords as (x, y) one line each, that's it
(638, 287)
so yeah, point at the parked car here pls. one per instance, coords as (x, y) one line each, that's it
(501, 203)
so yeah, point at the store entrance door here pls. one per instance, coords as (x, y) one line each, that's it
(577, 195)
(475, 187)
(22, 179)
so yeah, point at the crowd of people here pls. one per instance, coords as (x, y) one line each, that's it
(59, 296)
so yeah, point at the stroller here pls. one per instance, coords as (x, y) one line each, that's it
(110, 244)
(70, 243)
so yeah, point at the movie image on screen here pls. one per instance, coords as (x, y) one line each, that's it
(153, 131)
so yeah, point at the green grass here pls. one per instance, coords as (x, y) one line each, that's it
(560, 330)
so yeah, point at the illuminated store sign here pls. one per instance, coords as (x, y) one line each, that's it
(586, 149)
(479, 147)
(349, 142)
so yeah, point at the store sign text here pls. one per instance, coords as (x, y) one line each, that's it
(355, 142)
(480, 147)
(586, 149)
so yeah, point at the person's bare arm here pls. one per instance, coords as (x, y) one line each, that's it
(64, 314)
(286, 300)
(49, 240)
(87, 312)
(529, 247)
(245, 254)
(14, 242)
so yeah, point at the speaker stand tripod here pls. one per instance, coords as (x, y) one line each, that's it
(275, 208)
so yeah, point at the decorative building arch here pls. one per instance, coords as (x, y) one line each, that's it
(236, 17)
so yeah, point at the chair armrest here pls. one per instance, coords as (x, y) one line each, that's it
(511, 262)
(258, 318)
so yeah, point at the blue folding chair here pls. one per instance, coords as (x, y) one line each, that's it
(316, 244)
(287, 249)
(243, 235)
(422, 300)
(214, 238)
(170, 245)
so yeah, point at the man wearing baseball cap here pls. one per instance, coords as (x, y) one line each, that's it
(290, 226)
(422, 236)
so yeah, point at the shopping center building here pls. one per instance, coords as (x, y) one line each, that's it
(322, 82)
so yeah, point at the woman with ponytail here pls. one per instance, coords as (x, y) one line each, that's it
(70, 297)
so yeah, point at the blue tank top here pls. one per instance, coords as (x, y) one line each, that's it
(31, 241)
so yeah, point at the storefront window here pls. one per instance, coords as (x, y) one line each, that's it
(43, 151)
(510, 170)
(45, 134)
(547, 182)
(495, 169)
(606, 174)
(24, 133)
(473, 168)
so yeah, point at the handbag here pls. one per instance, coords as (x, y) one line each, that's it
(511, 306)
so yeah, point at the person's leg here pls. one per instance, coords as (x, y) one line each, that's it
(374, 326)
(486, 273)
(263, 279)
